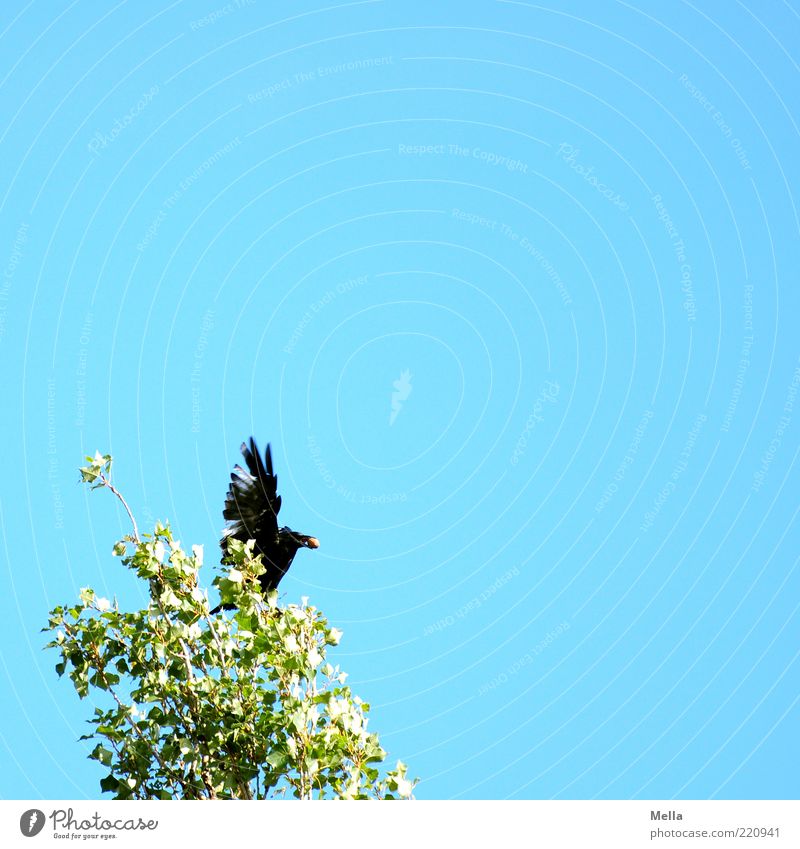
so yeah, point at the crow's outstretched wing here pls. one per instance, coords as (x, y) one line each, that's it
(252, 504)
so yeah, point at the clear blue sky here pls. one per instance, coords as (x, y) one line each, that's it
(511, 289)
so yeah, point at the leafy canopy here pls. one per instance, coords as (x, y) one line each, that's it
(242, 705)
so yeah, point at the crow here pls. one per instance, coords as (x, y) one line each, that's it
(251, 512)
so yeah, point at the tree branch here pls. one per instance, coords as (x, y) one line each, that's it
(107, 482)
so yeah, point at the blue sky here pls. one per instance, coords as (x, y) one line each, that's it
(511, 289)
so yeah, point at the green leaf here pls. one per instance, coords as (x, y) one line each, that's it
(278, 760)
(109, 784)
(100, 753)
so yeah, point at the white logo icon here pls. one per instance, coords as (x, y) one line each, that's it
(31, 822)
(402, 388)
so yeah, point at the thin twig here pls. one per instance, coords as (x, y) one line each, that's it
(215, 636)
(134, 726)
(107, 482)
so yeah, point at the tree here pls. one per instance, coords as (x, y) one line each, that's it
(196, 706)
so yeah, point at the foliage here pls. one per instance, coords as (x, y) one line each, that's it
(242, 704)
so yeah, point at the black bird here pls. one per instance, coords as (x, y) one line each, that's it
(251, 511)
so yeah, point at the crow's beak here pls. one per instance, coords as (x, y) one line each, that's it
(312, 542)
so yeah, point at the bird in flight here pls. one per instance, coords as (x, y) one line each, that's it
(251, 512)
